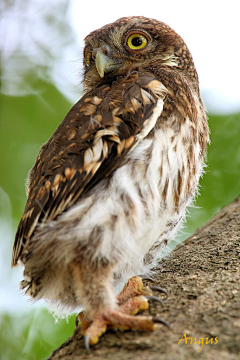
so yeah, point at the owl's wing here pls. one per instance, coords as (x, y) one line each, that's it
(91, 142)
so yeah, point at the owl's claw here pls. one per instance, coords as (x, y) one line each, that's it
(76, 321)
(160, 289)
(87, 343)
(146, 277)
(158, 320)
(154, 298)
(157, 288)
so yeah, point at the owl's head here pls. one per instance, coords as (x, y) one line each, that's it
(133, 44)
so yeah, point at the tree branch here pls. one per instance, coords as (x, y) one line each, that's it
(203, 278)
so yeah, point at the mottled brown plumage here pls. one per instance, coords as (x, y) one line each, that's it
(82, 151)
(110, 188)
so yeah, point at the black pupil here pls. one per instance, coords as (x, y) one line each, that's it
(137, 41)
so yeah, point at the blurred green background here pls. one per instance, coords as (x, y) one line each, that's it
(31, 108)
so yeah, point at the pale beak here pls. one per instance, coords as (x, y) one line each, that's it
(101, 62)
(105, 64)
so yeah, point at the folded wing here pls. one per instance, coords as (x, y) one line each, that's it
(90, 143)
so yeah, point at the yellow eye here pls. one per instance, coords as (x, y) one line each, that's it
(88, 58)
(137, 41)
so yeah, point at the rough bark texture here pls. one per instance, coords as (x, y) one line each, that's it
(202, 276)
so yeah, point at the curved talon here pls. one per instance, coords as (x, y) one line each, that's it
(160, 321)
(76, 321)
(146, 277)
(160, 289)
(155, 298)
(87, 343)
(157, 288)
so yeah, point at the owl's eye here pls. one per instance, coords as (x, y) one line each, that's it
(137, 41)
(88, 58)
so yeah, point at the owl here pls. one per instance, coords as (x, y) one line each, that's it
(110, 188)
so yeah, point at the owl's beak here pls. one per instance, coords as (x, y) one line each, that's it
(101, 62)
(104, 63)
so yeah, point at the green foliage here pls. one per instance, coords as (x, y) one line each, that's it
(221, 182)
(32, 336)
(26, 123)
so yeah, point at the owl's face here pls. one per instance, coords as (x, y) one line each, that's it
(131, 44)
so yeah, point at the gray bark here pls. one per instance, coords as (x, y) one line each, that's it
(202, 276)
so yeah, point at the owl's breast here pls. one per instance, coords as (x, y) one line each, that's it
(160, 179)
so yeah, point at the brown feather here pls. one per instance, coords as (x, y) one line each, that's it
(83, 150)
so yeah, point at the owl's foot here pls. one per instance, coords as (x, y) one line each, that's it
(135, 287)
(122, 318)
(133, 298)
